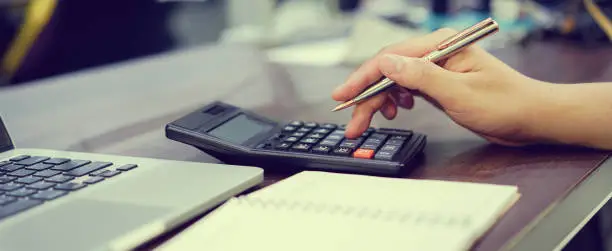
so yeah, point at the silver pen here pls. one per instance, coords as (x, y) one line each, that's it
(445, 49)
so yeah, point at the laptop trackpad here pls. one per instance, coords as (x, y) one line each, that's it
(86, 224)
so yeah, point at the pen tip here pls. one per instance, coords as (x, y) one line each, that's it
(343, 106)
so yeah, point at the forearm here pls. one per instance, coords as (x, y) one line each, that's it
(577, 114)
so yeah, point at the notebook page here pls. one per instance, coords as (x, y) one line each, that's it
(291, 225)
(481, 204)
(386, 214)
(361, 190)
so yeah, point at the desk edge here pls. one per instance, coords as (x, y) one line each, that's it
(556, 228)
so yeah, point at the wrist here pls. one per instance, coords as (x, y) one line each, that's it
(567, 114)
(548, 114)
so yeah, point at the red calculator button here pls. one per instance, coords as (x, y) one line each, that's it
(363, 153)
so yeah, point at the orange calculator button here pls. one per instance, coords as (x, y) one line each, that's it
(363, 153)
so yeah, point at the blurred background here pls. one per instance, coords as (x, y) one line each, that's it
(45, 38)
(48, 38)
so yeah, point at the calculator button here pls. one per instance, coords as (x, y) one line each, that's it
(335, 137)
(373, 141)
(395, 142)
(309, 140)
(329, 142)
(339, 132)
(310, 124)
(368, 145)
(296, 123)
(384, 155)
(399, 137)
(304, 129)
(322, 130)
(263, 145)
(365, 134)
(329, 126)
(395, 130)
(283, 146)
(321, 149)
(390, 148)
(291, 139)
(343, 151)
(378, 136)
(350, 143)
(316, 135)
(303, 147)
(298, 134)
(289, 128)
(363, 153)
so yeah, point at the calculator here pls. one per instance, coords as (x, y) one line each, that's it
(242, 137)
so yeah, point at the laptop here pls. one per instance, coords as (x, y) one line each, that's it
(62, 200)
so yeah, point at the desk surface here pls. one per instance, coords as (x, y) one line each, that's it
(122, 110)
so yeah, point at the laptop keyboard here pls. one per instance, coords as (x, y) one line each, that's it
(29, 181)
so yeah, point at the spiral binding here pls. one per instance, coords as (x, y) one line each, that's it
(427, 218)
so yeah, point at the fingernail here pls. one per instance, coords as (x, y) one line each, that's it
(392, 63)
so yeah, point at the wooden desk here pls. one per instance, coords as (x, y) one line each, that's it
(122, 110)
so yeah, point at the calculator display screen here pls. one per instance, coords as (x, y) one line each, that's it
(239, 129)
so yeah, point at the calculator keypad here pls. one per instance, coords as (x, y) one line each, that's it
(328, 139)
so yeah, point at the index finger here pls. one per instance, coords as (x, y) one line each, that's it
(368, 72)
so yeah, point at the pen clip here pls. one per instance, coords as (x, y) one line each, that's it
(465, 33)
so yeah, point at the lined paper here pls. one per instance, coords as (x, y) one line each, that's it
(329, 211)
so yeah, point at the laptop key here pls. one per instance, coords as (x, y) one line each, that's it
(10, 187)
(21, 173)
(49, 195)
(6, 200)
(32, 160)
(6, 179)
(19, 158)
(88, 168)
(46, 173)
(59, 178)
(23, 192)
(56, 161)
(71, 165)
(17, 206)
(4, 163)
(10, 168)
(41, 185)
(126, 167)
(98, 172)
(39, 166)
(110, 173)
(70, 186)
(28, 180)
(93, 180)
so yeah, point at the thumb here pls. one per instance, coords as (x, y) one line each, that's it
(418, 74)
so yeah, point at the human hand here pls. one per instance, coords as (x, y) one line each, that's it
(475, 89)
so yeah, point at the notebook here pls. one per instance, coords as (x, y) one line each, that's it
(325, 211)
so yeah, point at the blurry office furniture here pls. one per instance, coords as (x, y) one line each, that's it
(60, 36)
(586, 23)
